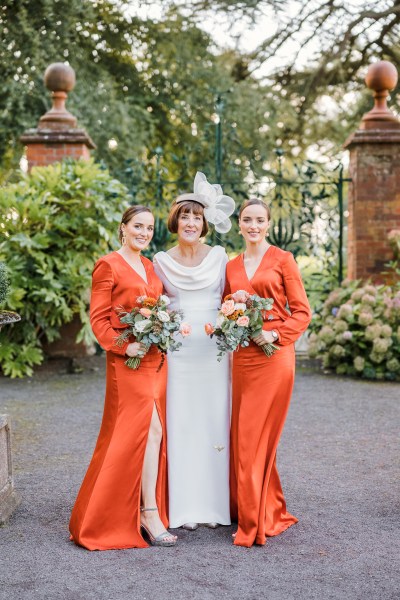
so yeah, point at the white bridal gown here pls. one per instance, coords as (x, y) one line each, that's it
(198, 395)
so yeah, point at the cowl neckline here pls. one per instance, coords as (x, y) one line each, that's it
(191, 278)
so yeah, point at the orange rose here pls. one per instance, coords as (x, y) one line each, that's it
(209, 329)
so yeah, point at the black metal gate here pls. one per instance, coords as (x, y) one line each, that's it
(306, 199)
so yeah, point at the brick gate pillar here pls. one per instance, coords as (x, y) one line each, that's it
(57, 135)
(374, 196)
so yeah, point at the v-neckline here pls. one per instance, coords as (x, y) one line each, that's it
(134, 270)
(250, 279)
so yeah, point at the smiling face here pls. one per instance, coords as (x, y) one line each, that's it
(138, 231)
(190, 226)
(254, 223)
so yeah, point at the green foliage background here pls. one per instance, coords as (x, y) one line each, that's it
(152, 84)
(58, 221)
(4, 283)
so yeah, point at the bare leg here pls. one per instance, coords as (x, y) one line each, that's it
(149, 477)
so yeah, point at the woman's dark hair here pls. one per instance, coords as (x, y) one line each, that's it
(257, 202)
(131, 212)
(185, 207)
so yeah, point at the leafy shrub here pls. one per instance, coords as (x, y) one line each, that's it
(4, 283)
(357, 331)
(57, 221)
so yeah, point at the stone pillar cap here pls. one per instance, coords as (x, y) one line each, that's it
(60, 79)
(381, 77)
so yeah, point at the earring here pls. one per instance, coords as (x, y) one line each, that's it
(123, 238)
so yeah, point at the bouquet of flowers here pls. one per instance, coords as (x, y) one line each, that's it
(240, 319)
(151, 322)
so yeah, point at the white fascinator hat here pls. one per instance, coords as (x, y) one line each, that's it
(217, 207)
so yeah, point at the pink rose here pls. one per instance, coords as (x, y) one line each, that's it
(228, 307)
(145, 312)
(185, 329)
(243, 321)
(240, 296)
(209, 329)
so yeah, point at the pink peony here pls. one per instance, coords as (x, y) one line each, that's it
(240, 296)
(243, 321)
(145, 312)
(185, 329)
(228, 307)
(209, 329)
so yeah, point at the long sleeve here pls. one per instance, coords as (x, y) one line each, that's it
(292, 328)
(100, 308)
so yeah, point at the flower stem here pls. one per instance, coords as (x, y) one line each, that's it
(133, 362)
(269, 349)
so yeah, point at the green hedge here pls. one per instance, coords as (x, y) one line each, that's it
(4, 283)
(56, 222)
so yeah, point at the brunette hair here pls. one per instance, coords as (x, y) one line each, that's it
(185, 207)
(257, 202)
(131, 212)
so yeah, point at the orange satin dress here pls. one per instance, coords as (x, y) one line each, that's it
(106, 514)
(261, 391)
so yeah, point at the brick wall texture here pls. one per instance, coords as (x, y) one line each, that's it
(374, 207)
(47, 153)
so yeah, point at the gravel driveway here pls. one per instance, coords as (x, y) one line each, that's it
(339, 465)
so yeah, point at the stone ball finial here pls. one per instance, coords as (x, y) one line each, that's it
(381, 75)
(381, 78)
(59, 77)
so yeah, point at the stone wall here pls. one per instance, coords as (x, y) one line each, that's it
(9, 498)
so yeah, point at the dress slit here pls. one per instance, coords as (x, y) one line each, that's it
(106, 514)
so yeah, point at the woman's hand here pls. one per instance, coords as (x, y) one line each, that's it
(136, 349)
(265, 337)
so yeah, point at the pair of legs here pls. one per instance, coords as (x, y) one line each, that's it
(151, 519)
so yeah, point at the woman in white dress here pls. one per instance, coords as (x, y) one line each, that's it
(198, 391)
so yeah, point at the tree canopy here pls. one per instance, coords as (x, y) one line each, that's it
(148, 83)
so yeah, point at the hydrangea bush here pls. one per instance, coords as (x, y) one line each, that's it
(357, 332)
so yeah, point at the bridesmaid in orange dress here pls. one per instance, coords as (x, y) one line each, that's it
(261, 385)
(128, 467)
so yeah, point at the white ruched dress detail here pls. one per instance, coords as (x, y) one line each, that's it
(198, 395)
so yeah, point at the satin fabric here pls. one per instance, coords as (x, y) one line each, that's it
(106, 513)
(198, 395)
(261, 392)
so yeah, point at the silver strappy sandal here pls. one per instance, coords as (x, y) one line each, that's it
(160, 540)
